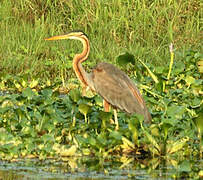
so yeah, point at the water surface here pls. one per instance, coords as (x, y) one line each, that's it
(93, 168)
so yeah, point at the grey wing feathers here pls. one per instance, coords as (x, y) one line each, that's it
(118, 89)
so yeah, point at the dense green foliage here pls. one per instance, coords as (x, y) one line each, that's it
(45, 124)
(36, 120)
(143, 28)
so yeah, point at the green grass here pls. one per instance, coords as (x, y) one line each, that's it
(143, 28)
(36, 121)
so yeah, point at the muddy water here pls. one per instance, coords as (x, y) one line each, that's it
(91, 168)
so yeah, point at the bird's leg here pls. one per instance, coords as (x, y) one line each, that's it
(106, 106)
(84, 89)
(107, 109)
(116, 119)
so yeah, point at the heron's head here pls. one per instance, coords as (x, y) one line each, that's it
(78, 35)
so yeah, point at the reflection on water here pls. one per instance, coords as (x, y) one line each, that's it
(93, 168)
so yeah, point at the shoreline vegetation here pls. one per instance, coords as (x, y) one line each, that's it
(142, 28)
(44, 114)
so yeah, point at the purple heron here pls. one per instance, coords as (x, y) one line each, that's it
(112, 84)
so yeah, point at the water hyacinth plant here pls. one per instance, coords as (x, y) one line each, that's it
(44, 113)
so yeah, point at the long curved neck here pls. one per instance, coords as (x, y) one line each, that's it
(78, 59)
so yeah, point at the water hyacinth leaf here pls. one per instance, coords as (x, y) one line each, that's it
(174, 162)
(165, 127)
(116, 135)
(155, 162)
(200, 66)
(68, 152)
(179, 68)
(184, 166)
(5, 107)
(82, 140)
(127, 144)
(125, 59)
(92, 141)
(199, 122)
(152, 140)
(134, 122)
(34, 83)
(28, 93)
(84, 108)
(105, 117)
(159, 69)
(126, 161)
(98, 101)
(4, 134)
(75, 95)
(47, 138)
(86, 151)
(17, 85)
(50, 127)
(150, 72)
(101, 140)
(47, 93)
(28, 130)
(88, 93)
(133, 127)
(2, 98)
(30, 144)
(135, 134)
(155, 130)
(177, 146)
(189, 80)
(175, 111)
(72, 162)
(200, 173)
(198, 55)
(24, 83)
(196, 102)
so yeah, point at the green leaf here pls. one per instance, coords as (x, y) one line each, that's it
(159, 69)
(184, 166)
(105, 115)
(179, 68)
(116, 135)
(155, 130)
(84, 108)
(48, 138)
(177, 146)
(200, 66)
(152, 140)
(198, 55)
(189, 80)
(125, 59)
(133, 127)
(68, 152)
(165, 127)
(92, 141)
(175, 111)
(196, 102)
(150, 72)
(47, 93)
(28, 93)
(199, 123)
(127, 143)
(75, 95)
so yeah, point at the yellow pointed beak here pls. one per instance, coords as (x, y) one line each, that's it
(66, 36)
